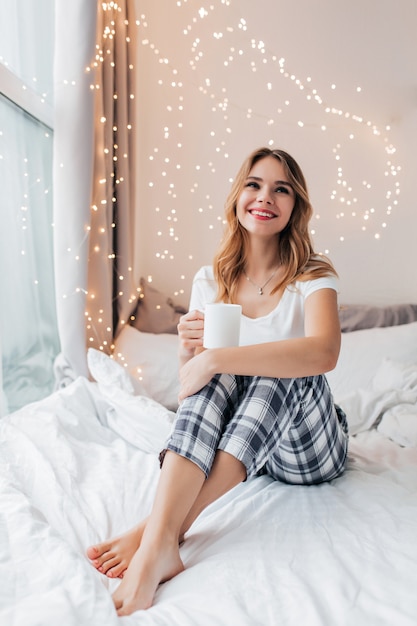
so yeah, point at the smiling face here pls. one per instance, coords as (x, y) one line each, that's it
(265, 204)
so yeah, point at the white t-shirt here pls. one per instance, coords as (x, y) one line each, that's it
(286, 321)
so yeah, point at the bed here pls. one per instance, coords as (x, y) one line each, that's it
(82, 465)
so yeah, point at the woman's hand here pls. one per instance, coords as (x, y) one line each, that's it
(195, 371)
(190, 332)
(194, 374)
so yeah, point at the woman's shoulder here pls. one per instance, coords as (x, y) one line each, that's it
(309, 285)
(204, 273)
(203, 289)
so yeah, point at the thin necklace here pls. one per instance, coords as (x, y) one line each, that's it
(260, 288)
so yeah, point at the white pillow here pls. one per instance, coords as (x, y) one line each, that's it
(152, 359)
(152, 362)
(362, 351)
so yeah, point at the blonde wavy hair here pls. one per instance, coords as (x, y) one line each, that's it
(294, 245)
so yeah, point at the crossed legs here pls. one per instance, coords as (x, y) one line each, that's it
(149, 553)
(237, 412)
(247, 416)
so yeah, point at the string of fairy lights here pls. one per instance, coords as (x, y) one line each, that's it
(347, 196)
(219, 30)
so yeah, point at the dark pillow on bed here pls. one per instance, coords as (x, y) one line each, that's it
(155, 311)
(361, 316)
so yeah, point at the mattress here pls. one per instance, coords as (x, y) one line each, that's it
(82, 466)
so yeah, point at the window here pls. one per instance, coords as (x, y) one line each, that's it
(28, 327)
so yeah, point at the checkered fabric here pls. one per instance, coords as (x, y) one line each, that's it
(287, 428)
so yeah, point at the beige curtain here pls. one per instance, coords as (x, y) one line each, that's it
(94, 170)
(110, 265)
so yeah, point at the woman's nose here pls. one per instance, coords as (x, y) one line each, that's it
(265, 196)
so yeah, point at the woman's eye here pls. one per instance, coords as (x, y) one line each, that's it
(252, 184)
(282, 190)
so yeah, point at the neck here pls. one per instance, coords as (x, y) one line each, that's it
(262, 263)
(262, 254)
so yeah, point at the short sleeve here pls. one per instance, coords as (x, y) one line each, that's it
(326, 282)
(203, 289)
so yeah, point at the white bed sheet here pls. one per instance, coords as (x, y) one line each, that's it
(343, 553)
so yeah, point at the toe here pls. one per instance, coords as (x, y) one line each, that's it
(92, 552)
(116, 570)
(106, 560)
(95, 553)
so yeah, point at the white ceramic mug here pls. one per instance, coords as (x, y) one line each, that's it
(221, 325)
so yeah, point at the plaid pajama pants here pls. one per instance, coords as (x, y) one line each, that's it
(288, 428)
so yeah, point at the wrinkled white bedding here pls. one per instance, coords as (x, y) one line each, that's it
(389, 402)
(72, 473)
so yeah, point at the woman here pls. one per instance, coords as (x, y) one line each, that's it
(262, 407)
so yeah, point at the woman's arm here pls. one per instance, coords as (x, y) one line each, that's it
(190, 332)
(316, 353)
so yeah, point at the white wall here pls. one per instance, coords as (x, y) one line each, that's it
(212, 87)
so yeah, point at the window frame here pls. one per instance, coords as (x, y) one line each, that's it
(20, 94)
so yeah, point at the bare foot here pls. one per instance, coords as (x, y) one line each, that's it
(113, 557)
(157, 560)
